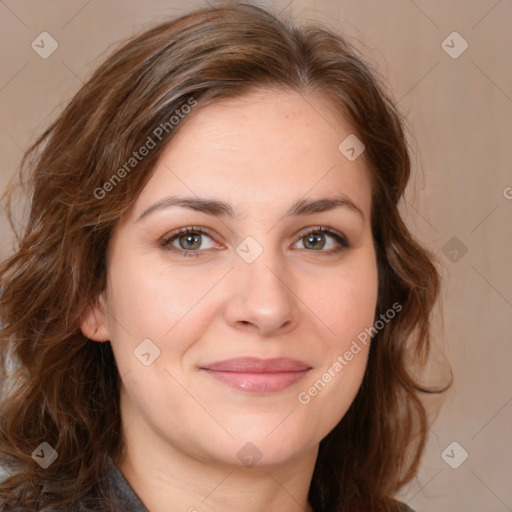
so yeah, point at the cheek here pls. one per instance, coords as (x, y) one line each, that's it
(348, 309)
(158, 303)
(345, 300)
(151, 299)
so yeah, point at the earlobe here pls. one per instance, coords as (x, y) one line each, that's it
(93, 321)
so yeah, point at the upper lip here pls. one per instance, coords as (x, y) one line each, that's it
(257, 365)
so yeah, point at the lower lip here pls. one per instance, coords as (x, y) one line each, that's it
(258, 382)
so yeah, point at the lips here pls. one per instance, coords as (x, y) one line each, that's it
(258, 375)
(256, 365)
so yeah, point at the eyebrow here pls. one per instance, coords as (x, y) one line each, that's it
(223, 209)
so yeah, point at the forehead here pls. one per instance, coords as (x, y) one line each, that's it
(266, 148)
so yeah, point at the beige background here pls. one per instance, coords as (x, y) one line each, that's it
(460, 111)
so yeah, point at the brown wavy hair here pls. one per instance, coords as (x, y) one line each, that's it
(63, 389)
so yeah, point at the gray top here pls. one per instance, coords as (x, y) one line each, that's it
(122, 493)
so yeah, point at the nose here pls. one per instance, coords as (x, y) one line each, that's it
(261, 297)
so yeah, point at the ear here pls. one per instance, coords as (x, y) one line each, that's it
(93, 321)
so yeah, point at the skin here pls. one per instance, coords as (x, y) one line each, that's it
(183, 428)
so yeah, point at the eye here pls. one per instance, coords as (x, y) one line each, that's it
(187, 240)
(315, 239)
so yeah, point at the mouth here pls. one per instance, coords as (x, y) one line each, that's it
(258, 375)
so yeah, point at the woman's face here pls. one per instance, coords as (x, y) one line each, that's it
(252, 285)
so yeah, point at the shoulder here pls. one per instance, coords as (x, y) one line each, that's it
(403, 507)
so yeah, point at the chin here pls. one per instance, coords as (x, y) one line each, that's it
(262, 449)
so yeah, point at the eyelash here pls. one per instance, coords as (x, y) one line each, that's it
(342, 241)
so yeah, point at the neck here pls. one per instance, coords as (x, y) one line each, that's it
(168, 479)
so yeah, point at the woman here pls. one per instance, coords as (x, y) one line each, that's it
(215, 304)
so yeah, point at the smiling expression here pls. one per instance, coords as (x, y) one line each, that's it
(251, 239)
